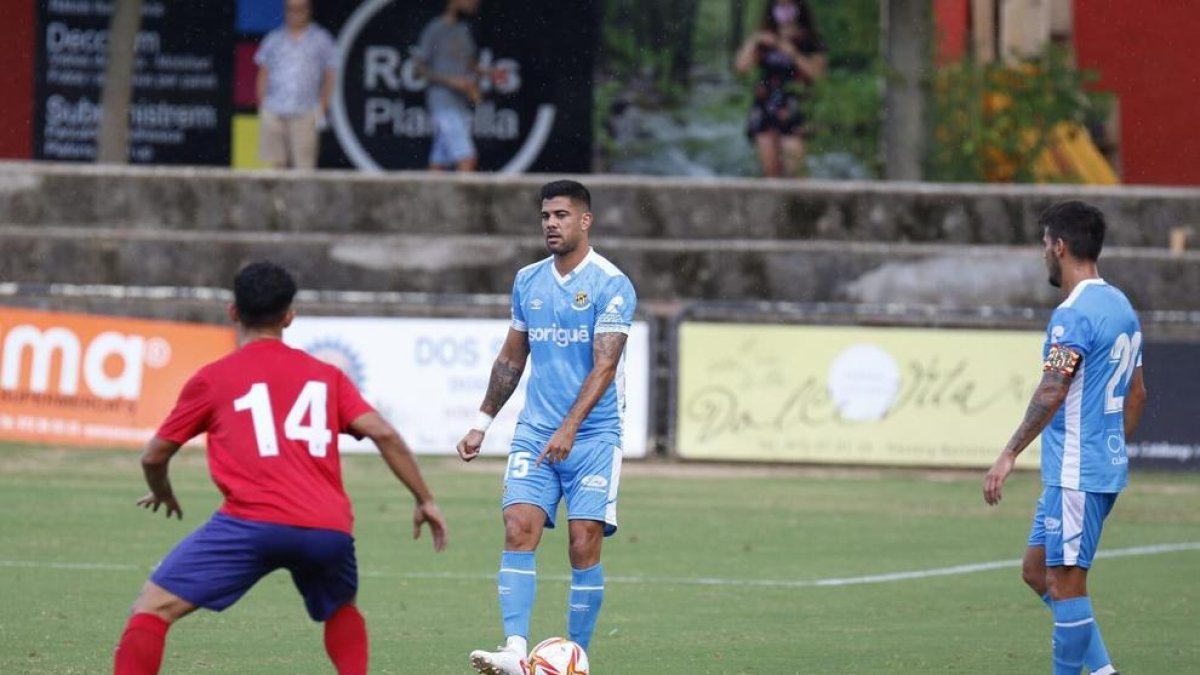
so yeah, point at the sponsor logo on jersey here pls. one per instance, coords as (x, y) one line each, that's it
(582, 301)
(1116, 443)
(560, 337)
(536, 303)
(611, 317)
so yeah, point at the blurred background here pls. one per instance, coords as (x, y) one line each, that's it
(882, 177)
(945, 90)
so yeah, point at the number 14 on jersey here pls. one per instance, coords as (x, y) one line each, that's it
(310, 403)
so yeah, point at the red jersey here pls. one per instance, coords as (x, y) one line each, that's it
(273, 415)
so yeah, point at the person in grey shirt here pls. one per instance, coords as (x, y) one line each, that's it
(296, 67)
(447, 56)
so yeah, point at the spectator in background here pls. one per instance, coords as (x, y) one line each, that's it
(790, 56)
(447, 56)
(296, 65)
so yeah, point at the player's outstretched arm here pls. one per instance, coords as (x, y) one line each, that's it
(400, 460)
(506, 374)
(1135, 402)
(1049, 396)
(155, 459)
(606, 355)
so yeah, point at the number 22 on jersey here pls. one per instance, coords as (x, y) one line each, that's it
(310, 403)
(1124, 355)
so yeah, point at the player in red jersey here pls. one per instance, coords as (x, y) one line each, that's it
(273, 415)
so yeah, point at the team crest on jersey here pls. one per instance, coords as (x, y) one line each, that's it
(582, 301)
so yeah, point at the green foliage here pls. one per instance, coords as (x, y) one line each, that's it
(844, 107)
(850, 29)
(993, 121)
(843, 113)
(649, 38)
(605, 93)
(642, 57)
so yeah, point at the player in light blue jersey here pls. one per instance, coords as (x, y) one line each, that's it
(571, 315)
(1087, 405)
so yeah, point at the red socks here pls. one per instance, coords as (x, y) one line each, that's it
(140, 650)
(346, 641)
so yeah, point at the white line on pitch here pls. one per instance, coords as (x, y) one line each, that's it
(685, 581)
(95, 567)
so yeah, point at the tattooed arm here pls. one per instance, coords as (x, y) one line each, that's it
(1050, 394)
(606, 354)
(506, 373)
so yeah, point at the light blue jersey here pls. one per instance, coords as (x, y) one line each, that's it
(1083, 447)
(562, 315)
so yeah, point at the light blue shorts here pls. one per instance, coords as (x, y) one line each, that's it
(588, 479)
(1068, 524)
(452, 142)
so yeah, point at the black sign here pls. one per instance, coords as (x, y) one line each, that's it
(1168, 436)
(537, 58)
(181, 104)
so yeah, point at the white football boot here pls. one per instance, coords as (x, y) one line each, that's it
(503, 661)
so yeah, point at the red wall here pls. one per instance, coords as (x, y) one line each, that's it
(952, 21)
(16, 80)
(1148, 54)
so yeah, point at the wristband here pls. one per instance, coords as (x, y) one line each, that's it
(482, 421)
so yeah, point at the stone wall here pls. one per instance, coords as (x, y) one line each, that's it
(956, 246)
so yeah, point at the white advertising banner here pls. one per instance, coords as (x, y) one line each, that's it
(428, 376)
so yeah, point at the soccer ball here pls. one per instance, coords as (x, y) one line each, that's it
(558, 656)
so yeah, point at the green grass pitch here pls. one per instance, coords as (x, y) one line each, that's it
(712, 571)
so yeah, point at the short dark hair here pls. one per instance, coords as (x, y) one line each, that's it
(1078, 224)
(263, 293)
(567, 188)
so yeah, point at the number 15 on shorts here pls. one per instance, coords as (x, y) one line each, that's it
(518, 464)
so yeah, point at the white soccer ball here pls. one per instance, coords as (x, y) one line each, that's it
(558, 656)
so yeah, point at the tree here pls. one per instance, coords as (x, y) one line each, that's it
(113, 137)
(650, 37)
(908, 35)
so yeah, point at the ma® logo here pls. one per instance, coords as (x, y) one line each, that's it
(110, 365)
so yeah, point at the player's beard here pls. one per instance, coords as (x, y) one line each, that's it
(1055, 270)
(563, 247)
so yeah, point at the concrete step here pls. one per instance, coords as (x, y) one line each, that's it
(193, 199)
(944, 275)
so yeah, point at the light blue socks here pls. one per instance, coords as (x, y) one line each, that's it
(1096, 657)
(1073, 626)
(517, 585)
(583, 603)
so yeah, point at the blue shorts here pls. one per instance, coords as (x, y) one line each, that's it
(215, 565)
(1068, 524)
(588, 478)
(452, 142)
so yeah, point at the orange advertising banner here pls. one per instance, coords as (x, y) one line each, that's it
(96, 380)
